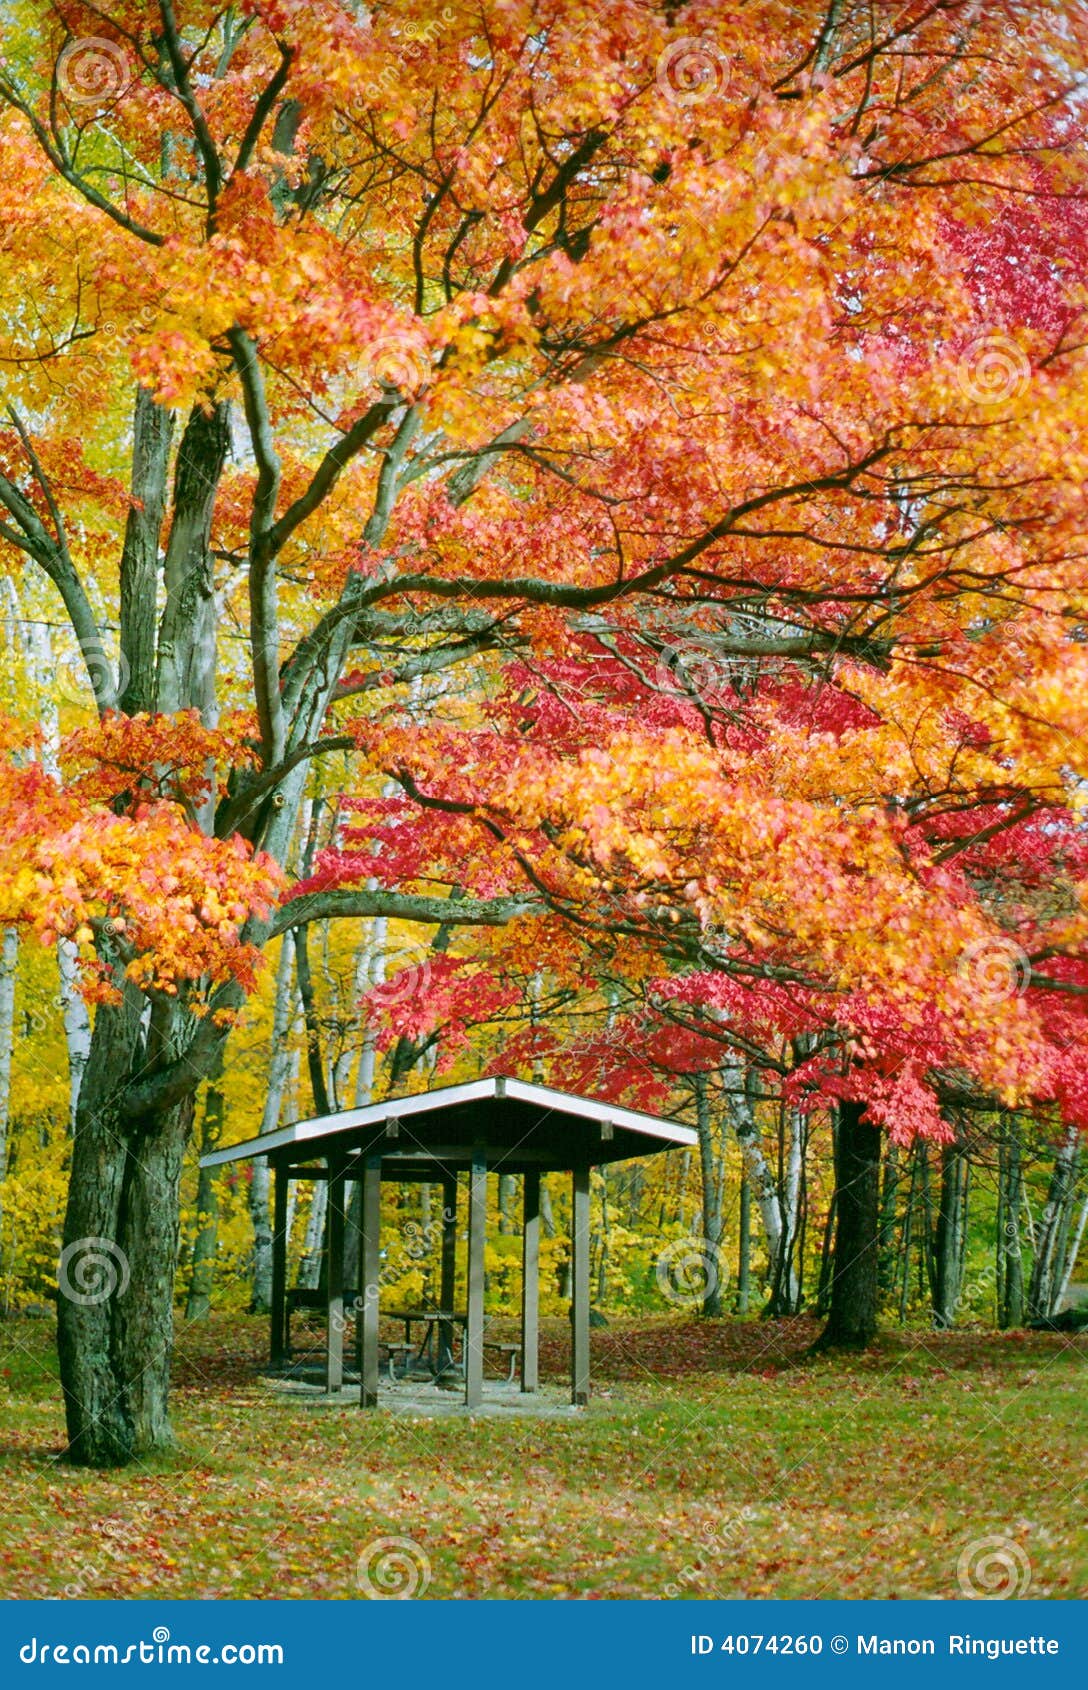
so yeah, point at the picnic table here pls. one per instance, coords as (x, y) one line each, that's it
(439, 1327)
(439, 1332)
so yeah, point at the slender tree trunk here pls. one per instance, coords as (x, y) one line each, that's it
(202, 1275)
(744, 1246)
(950, 1232)
(852, 1318)
(712, 1201)
(547, 1216)
(1072, 1253)
(764, 1187)
(888, 1200)
(907, 1240)
(1011, 1307)
(9, 957)
(309, 1268)
(507, 1201)
(279, 1068)
(77, 1023)
(1047, 1269)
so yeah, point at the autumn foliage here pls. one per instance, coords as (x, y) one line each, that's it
(605, 476)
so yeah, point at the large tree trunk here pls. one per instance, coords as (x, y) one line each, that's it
(149, 1237)
(116, 1273)
(851, 1321)
(93, 1267)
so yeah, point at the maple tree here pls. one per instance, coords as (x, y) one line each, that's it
(614, 424)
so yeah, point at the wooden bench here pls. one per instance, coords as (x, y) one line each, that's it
(511, 1350)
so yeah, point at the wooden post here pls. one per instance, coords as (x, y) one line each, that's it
(530, 1282)
(474, 1336)
(369, 1273)
(334, 1330)
(579, 1307)
(353, 1252)
(278, 1344)
(448, 1279)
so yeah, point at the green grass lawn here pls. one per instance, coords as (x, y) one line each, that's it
(716, 1460)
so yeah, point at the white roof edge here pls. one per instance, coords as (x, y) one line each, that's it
(470, 1091)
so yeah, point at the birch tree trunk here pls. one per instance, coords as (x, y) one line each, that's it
(9, 958)
(761, 1180)
(77, 1023)
(1048, 1269)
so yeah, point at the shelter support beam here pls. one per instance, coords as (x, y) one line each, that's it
(334, 1305)
(530, 1282)
(278, 1342)
(474, 1335)
(370, 1269)
(448, 1273)
(579, 1307)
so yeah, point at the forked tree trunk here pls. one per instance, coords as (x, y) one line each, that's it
(852, 1317)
